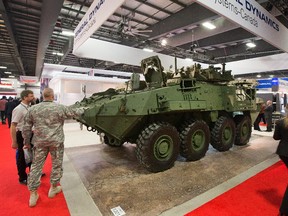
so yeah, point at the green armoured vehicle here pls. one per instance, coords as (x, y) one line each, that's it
(171, 113)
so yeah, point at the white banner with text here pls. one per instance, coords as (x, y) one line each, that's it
(253, 17)
(29, 79)
(97, 14)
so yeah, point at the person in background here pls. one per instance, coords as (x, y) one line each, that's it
(281, 133)
(16, 132)
(268, 115)
(261, 113)
(35, 101)
(47, 118)
(260, 117)
(10, 105)
(3, 102)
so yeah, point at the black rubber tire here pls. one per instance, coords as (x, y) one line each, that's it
(158, 147)
(243, 130)
(223, 134)
(113, 144)
(195, 139)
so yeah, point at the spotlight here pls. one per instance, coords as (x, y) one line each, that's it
(251, 45)
(209, 25)
(163, 42)
(67, 33)
(148, 50)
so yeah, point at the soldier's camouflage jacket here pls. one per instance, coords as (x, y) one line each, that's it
(47, 119)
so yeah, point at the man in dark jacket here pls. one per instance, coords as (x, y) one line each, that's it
(3, 102)
(10, 105)
(268, 115)
(281, 133)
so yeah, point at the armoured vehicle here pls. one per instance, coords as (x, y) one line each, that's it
(172, 113)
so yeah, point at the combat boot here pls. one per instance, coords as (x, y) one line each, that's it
(54, 189)
(33, 198)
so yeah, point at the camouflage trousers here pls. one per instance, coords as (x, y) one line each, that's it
(40, 153)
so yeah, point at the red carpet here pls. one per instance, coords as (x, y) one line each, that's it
(260, 195)
(14, 197)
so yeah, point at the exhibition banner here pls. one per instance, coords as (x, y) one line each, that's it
(97, 14)
(274, 85)
(29, 79)
(264, 84)
(6, 85)
(253, 17)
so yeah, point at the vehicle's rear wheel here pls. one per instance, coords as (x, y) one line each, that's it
(158, 147)
(223, 133)
(195, 138)
(243, 130)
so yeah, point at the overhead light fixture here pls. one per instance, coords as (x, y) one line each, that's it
(209, 25)
(57, 53)
(147, 50)
(11, 76)
(258, 75)
(250, 44)
(3, 67)
(163, 42)
(8, 72)
(192, 47)
(67, 33)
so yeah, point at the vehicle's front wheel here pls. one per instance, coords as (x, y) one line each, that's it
(158, 147)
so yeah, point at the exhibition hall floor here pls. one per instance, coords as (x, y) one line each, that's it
(98, 178)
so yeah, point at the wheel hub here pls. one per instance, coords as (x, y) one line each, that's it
(244, 130)
(162, 148)
(227, 133)
(198, 139)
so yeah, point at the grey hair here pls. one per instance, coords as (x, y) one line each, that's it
(47, 92)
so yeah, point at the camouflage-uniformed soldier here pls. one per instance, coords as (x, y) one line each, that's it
(47, 118)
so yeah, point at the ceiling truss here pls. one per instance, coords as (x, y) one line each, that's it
(31, 33)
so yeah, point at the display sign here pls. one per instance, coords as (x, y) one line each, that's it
(253, 17)
(118, 211)
(29, 79)
(96, 15)
(274, 85)
(6, 85)
(264, 84)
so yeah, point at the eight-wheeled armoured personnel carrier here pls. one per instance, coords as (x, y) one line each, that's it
(171, 113)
